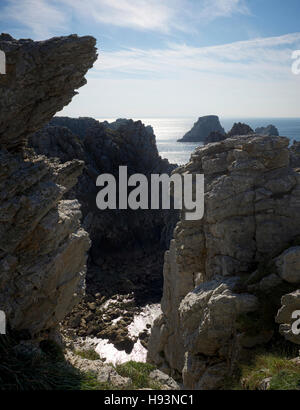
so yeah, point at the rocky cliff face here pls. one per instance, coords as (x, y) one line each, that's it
(42, 247)
(104, 147)
(202, 128)
(224, 276)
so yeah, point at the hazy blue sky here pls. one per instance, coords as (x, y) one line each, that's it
(175, 57)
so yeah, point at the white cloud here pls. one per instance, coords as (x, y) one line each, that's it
(246, 78)
(40, 18)
(213, 9)
(47, 17)
(138, 14)
(261, 58)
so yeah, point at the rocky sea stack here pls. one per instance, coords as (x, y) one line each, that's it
(202, 128)
(268, 130)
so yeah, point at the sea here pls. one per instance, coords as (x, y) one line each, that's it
(169, 130)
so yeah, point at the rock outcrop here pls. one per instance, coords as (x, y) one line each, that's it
(224, 275)
(104, 147)
(41, 79)
(295, 154)
(202, 128)
(215, 137)
(43, 247)
(240, 128)
(268, 130)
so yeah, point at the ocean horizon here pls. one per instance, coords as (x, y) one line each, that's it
(169, 130)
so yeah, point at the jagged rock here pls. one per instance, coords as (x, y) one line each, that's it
(43, 247)
(251, 214)
(240, 129)
(202, 128)
(290, 304)
(104, 147)
(269, 130)
(41, 79)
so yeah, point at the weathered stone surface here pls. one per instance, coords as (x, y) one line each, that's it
(202, 128)
(252, 204)
(41, 79)
(43, 247)
(164, 380)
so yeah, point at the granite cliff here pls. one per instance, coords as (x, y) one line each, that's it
(43, 248)
(225, 275)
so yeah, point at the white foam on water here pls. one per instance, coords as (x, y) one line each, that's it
(139, 354)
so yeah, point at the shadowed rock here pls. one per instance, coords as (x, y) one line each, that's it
(104, 147)
(215, 137)
(202, 128)
(240, 129)
(269, 130)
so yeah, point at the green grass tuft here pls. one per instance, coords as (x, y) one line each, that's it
(284, 374)
(138, 373)
(89, 354)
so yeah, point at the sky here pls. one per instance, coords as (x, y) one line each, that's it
(175, 58)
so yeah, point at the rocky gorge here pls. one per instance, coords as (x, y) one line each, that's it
(62, 258)
(91, 279)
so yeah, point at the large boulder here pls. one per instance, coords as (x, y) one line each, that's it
(202, 128)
